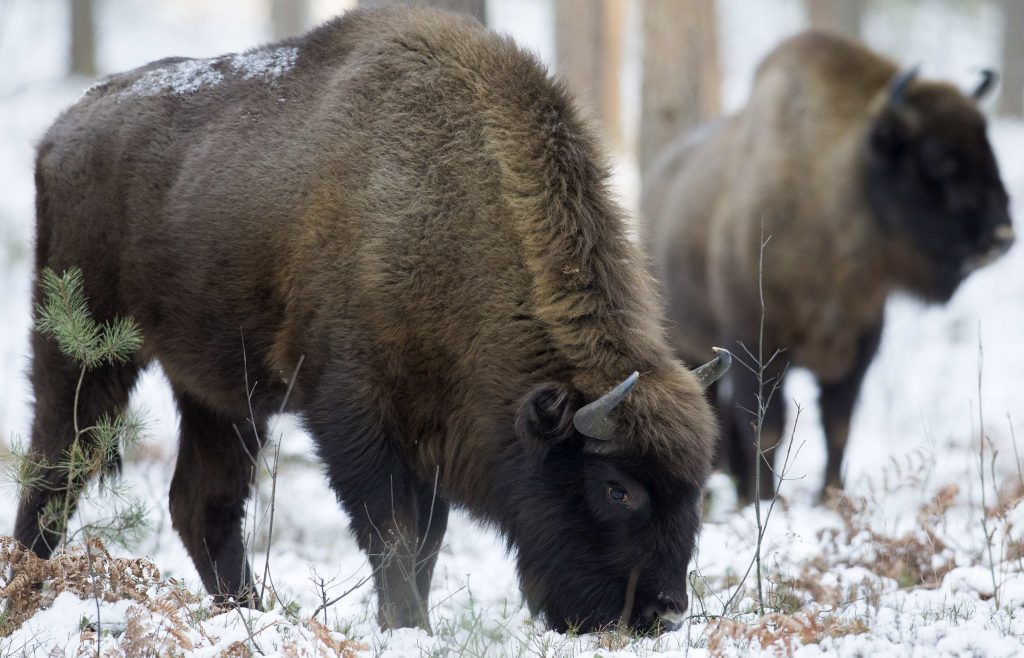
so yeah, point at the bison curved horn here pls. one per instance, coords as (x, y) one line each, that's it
(593, 421)
(989, 78)
(899, 84)
(713, 370)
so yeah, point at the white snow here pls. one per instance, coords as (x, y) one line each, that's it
(915, 432)
(185, 77)
(191, 75)
(265, 63)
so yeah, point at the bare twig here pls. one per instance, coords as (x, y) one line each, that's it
(761, 410)
(95, 595)
(790, 456)
(981, 475)
(326, 604)
(1016, 456)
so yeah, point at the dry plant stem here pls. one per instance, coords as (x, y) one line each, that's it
(248, 629)
(66, 515)
(327, 604)
(1016, 456)
(771, 507)
(981, 475)
(78, 392)
(96, 598)
(445, 599)
(270, 525)
(273, 474)
(430, 517)
(760, 417)
(254, 460)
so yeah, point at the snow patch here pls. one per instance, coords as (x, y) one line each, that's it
(186, 77)
(191, 75)
(271, 63)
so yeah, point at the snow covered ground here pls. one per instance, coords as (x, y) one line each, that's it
(903, 568)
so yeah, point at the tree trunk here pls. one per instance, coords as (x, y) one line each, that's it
(1011, 97)
(588, 42)
(681, 85)
(613, 40)
(288, 18)
(578, 27)
(477, 8)
(83, 38)
(841, 16)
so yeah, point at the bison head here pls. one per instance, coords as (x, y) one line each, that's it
(602, 535)
(933, 179)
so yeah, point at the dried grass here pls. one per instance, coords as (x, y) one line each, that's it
(165, 620)
(111, 579)
(782, 634)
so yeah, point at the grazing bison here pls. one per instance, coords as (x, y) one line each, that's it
(408, 206)
(867, 180)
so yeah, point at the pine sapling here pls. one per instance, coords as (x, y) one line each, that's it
(64, 316)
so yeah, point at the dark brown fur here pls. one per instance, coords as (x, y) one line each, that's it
(416, 210)
(836, 175)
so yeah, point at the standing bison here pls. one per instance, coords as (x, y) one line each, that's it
(410, 207)
(867, 180)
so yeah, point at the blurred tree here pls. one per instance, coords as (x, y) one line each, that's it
(83, 38)
(682, 82)
(1011, 97)
(477, 8)
(288, 18)
(842, 16)
(588, 41)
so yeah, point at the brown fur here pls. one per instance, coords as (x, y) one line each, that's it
(416, 210)
(802, 159)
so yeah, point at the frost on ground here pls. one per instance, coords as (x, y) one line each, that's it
(916, 561)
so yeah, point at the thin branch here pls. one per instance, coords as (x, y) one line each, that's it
(326, 604)
(981, 475)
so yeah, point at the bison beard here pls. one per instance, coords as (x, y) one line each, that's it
(867, 179)
(409, 206)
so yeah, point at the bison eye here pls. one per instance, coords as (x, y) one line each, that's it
(937, 161)
(617, 494)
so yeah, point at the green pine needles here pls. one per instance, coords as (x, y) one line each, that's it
(95, 449)
(64, 315)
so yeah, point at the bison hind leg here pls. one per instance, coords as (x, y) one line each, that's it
(217, 465)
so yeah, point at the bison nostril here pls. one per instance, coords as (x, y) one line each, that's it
(671, 607)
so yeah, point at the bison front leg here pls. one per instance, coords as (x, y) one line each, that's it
(837, 403)
(372, 480)
(385, 520)
(212, 480)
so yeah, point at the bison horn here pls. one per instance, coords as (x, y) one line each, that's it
(593, 421)
(988, 80)
(899, 84)
(713, 370)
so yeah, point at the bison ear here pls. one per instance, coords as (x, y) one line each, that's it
(545, 414)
